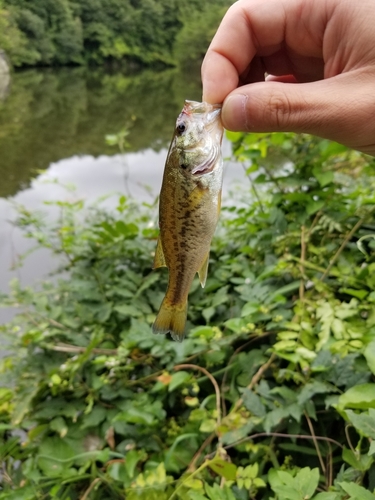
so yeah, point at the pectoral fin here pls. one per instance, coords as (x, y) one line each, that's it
(159, 260)
(202, 272)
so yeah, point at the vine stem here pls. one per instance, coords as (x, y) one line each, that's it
(255, 380)
(253, 188)
(345, 242)
(202, 467)
(236, 352)
(348, 438)
(302, 266)
(204, 445)
(213, 381)
(315, 443)
(90, 488)
(75, 349)
(281, 435)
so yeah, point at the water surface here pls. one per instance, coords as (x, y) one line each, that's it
(53, 125)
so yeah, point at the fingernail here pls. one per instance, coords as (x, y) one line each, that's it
(234, 114)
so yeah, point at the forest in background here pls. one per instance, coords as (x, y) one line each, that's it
(144, 32)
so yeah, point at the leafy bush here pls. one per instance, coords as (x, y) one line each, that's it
(270, 396)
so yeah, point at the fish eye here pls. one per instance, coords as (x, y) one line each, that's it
(181, 127)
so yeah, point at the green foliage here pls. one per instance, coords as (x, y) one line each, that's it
(199, 25)
(270, 396)
(58, 32)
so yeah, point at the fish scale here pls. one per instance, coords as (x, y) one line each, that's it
(189, 209)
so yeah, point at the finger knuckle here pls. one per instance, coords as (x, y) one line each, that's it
(279, 110)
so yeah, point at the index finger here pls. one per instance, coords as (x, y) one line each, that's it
(257, 27)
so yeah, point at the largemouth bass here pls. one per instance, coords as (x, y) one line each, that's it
(189, 209)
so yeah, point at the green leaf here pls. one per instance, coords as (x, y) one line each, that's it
(356, 492)
(177, 379)
(195, 495)
(310, 389)
(307, 481)
(147, 283)
(54, 455)
(371, 450)
(216, 493)
(233, 136)
(208, 425)
(359, 294)
(23, 403)
(369, 354)
(223, 468)
(314, 206)
(300, 487)
(249, 308)
(327, 496)
(131, 460)
(363, 422)
(95, 417)
(253, 403)
(282, 484)
(286, 289)
(324, 178)
(58, 424)
(126, 310)
(357, 461)
(360, 245)
(360, 397)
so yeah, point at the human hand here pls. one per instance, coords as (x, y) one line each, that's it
(321, 55)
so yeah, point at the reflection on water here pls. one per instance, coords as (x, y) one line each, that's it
(56, 121)
(55, 114)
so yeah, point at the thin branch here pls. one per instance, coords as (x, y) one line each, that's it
(114, 461)
(226, 371)
(196, 456)
(322, 465)
(85, 496)
(193, 474)
(314, 222)
(348, 438)
(330, 466)
(273, 179)
(281, 435)
(77, 350)
(253, 188)
(57, 324)
(214, 383)
(302, 266)
(49, 320)
(345, 242)
(255, 380)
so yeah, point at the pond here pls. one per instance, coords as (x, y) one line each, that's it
(53, 125)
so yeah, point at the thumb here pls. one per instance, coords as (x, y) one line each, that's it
(339, 108)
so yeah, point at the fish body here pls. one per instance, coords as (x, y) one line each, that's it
(189, 209)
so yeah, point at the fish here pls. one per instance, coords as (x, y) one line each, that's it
(189, 208)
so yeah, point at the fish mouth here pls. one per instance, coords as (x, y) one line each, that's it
(191, 107)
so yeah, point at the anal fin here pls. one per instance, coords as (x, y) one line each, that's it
(202, 271)
(159, 259)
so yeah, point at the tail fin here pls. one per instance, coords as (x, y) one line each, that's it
(171, 319)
